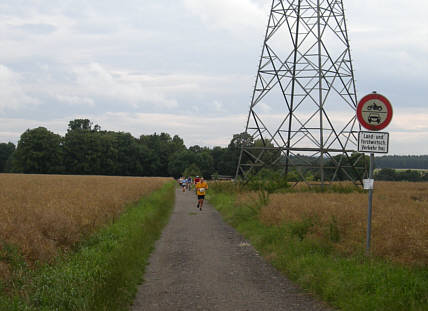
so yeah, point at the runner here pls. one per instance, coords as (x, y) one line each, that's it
(183, 184)
(189, 183)
(201, 188)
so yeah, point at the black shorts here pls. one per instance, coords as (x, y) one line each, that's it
(201, 197)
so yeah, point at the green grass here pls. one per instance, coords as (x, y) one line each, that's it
(355, 283)
(105, 270)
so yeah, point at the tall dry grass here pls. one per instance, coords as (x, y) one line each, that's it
(41, 214)
(399, 226)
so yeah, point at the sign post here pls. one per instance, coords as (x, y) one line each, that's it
(374, 112)
(369, 214)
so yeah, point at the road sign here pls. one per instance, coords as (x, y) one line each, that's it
(373, 142)
(374, 112)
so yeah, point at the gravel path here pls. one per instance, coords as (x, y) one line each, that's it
(201, 263)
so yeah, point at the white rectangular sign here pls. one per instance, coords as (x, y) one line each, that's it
(368, 184)
(373, 142)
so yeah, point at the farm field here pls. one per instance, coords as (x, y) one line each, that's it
(399, 224)
(42, 215)
(318, 240)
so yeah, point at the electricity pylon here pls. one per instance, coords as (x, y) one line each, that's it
(303, 110)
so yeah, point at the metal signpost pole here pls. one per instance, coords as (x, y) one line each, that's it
(369, 220)
(374, 112)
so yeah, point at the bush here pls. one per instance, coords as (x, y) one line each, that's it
(224, 187)
(267, 180)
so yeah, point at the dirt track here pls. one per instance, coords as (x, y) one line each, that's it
(201, 263)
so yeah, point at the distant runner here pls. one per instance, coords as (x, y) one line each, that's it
(183, 184)
(189, 183)
(201, 188)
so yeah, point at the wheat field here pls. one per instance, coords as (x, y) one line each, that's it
(43, 214)
(399, 224)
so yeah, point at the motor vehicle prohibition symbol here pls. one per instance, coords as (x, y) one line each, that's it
(374, 112)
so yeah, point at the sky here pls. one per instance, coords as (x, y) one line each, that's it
(187, 67)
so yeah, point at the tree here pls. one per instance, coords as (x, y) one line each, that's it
(239, 140)
(270, 157)
(6, 151)
(403, 162)
(86, 149)
(163, 148)
(128, 157)
(92, 152)
(39, 151)
(77, 153)
(180, 161)
(177, 144)
(192, 170)
(233, 152)
(410, 175)
(104, 153)
(83, 125)
(205, 162)
(344, 168)
(195, 148)
(218, 155)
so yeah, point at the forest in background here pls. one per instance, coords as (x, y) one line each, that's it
(403, 162)
(86, 149)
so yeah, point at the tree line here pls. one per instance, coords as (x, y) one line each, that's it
(403, 162)
(389, 174)
(86, 149)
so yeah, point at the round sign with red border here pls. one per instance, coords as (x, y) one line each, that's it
(374, 112)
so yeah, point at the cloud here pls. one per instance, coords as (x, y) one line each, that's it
(197, 129)
(12, 94)
(38, 29)
(97, 81)
(191, 60)
(75, 100)
(412, 120)
(238, 16)
(218, 106)
(194, 129)
(98, 87)
(12, 128)
(389, 39)
(95, 85)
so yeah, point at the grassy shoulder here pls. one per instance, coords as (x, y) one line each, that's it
(104, 271)
(351, 283)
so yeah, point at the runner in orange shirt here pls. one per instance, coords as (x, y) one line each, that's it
(201, 189)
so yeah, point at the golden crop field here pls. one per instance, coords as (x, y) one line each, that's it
(399, 225)
(41, 214)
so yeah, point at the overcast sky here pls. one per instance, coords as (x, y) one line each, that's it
(187, 67)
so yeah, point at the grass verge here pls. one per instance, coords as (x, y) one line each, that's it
(354, 283)
(104, 271)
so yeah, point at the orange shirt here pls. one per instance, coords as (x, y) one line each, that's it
(201, 188)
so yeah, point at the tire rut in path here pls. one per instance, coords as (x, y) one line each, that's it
(201, 263)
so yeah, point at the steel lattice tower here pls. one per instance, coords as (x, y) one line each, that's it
(304, 100)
